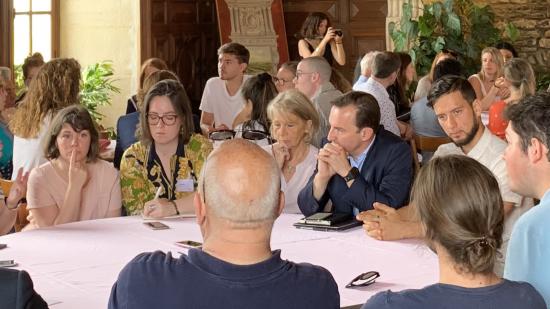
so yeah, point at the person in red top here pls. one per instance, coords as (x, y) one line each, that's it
(520, 79)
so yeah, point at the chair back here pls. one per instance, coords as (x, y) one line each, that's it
(421, 143)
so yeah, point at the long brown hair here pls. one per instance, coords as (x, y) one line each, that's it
(56, 86)
(310, 27)
(459, 204)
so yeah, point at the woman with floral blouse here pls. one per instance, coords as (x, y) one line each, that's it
(159, 172)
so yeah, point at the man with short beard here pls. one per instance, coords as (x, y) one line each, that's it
(459, 114)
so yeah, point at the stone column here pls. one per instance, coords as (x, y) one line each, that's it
(252, 26)
(395, 8)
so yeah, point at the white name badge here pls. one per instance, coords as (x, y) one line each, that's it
(185, 185)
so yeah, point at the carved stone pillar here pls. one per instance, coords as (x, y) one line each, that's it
(252, 26)
(395, 8)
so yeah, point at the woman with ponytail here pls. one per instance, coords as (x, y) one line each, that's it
(519, 78)
(257, 91)
(458, 202)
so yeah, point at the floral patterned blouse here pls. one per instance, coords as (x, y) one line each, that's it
(141, 172)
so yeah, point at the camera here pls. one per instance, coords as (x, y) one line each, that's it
(338, 32)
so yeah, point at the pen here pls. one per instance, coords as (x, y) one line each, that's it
(157, 195)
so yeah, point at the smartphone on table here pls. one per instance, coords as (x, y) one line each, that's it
(8, 263)
(155, 225)
(189, 244)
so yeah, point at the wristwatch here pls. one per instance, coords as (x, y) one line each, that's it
(352, 174)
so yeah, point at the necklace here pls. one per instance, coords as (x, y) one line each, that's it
(291, 168)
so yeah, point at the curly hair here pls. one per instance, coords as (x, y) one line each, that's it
(56, 86)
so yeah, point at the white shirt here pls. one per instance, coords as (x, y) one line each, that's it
(387, 109)
(28, 153)
(216, 100)
(301, 176)
(488, 151)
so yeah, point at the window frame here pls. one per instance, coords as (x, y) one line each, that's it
(7, 18)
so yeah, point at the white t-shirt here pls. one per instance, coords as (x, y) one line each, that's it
(28, 153)
(216, 100)
(301, 176)
(488, 151)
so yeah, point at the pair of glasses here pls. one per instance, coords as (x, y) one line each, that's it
(253, 135)
(280, 81)
(364, 279)
(154, 119)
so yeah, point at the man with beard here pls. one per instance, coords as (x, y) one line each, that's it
(222, 100)
(459, 114)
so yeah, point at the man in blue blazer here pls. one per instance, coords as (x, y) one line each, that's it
(361, 163)
(17, 292)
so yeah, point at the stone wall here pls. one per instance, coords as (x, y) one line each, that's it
(532, 18)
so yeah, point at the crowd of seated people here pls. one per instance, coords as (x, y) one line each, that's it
(321, 146)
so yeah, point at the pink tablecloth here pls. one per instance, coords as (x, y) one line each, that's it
(75, 265)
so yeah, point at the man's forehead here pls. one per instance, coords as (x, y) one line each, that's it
(226, 56)
(302, 66)
(450, 101)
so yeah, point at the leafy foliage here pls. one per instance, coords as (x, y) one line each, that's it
(459, 25)
(96, 87)
(19, 79)
(543, 80)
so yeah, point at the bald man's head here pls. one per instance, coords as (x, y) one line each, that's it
(241, 184)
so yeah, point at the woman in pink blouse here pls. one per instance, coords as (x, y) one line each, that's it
(75, 184)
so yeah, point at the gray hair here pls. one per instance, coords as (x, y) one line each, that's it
(368, 60)
(241, 184)
(319, 65)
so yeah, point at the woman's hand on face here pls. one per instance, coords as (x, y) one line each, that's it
(281, 154)
(78, 173)
(159, 208)
(18, 189)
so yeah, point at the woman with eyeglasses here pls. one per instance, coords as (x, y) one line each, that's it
(425, 83)
(294, 122)
(74, 185)
(257, 92)
(463, 223)
(284, 80)
(159, 172)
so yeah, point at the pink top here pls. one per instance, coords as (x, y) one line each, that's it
(497, 122)
(100, 196)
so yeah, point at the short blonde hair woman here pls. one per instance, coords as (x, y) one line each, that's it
(294, 122)
(484, 81)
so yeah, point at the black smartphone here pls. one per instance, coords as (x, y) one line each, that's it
(156, 225)
(2, 246)
(189, 244)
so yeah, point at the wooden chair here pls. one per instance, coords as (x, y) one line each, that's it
(22, 213)
(425, 143)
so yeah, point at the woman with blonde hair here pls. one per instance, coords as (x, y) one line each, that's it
(294, 122)
(519, 78)
(463, 222)
(56, 86)
(483, 82)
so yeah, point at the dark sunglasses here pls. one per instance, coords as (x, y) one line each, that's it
(364, 279)
(253, 135)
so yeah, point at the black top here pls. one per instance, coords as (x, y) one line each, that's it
(328, 52)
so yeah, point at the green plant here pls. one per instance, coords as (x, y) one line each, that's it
(460, 26)
(96, 87)
(543, 80)
(19, 79)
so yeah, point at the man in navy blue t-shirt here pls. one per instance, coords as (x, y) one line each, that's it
(238, 200)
